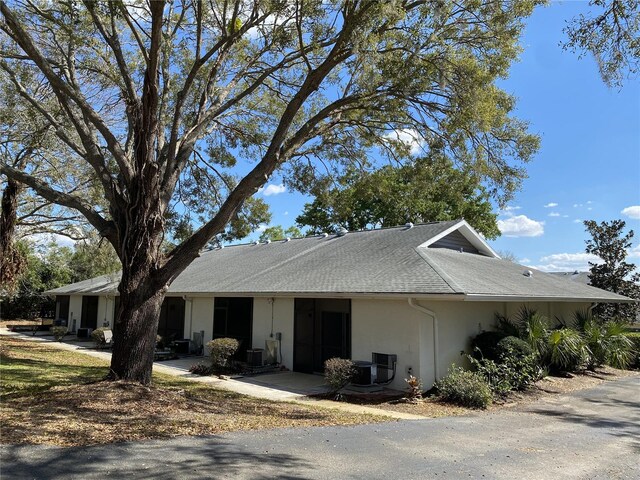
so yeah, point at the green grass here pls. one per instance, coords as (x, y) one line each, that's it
(30, 368)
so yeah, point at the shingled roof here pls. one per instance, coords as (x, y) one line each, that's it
(385, 262)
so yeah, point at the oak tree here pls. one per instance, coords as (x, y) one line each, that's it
(156, 96)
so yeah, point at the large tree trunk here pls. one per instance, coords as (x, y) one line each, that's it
(135, 330)
(11, 261)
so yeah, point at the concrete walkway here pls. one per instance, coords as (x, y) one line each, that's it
(277, 387)
(592, 434)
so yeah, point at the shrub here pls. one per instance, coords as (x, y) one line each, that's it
(567, 350)
(221, 350)
(414, 388)
(513, 347)
(98, 336)
(464, 388)
(634, 338)
(534, 329)
(201, 369)
(338, 372)
(485, 345)
(514, 371)
(59, 332)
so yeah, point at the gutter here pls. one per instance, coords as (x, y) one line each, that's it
(434, 318)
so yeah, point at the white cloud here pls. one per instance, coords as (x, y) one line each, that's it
(521, 226)
(551, 205)
(286, 213)
(632, 212)
(509, 208)
(554, 214)
(524, 261)
(262, 227)
(273, 189)
(634, 252)
(44, 239)
(567, 262)
(576, 205)
(408, 136)
(578, 220)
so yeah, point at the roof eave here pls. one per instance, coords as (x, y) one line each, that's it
(530, 298)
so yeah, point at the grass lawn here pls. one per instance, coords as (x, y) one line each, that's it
(56, 397)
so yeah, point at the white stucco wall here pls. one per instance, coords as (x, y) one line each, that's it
(105, 311)
(283, 313)
(198, 314)
(75, 311)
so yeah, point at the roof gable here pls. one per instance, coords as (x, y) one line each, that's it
(461, 233)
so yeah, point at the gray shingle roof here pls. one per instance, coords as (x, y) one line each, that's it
(377, 262)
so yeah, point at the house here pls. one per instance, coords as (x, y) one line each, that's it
(419, 292)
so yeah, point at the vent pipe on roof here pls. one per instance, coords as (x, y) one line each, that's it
(325, 235)
(288, 239)
(408, 225)
(268, 241)
(342, 232)
(256, 242)
(528, 273)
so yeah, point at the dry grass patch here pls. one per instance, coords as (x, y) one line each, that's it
(52, 396)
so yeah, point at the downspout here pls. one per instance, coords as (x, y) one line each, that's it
(433, 316)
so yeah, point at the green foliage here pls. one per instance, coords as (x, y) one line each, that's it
(534, 329)
(513, 347)
(92, 257)
(276, 232)
(611, 33)
(511, 372)
(59, 332)
(98, 336)
(634, 338)
(465, 388)
(338, 372)
(567, 350)
(221, 351)
(201, 369)
(615, 274)
(485, 345)
(427, 189)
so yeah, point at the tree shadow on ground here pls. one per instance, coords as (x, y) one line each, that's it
(202, 457)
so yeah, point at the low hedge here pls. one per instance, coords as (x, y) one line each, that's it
(465, 388)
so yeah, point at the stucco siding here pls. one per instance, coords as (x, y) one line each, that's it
(388, 326)
(199, 316)
(75, 311)
(282, 312)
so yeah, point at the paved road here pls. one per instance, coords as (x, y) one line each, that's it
(594, 434)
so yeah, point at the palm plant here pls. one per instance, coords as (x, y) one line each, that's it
(534, 329)
(567, 349)
(607, 341)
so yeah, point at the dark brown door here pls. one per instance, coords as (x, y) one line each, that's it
(89, 316)
(171, 323)
(233, 318)
(322, 330)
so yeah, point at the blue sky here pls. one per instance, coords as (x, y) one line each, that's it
(588, 167)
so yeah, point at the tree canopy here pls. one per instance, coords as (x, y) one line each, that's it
(276, 232)
(186, 108)
(609, 242)
(426, 189)
(611, 33)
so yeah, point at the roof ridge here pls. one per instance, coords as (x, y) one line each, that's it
(423, 253)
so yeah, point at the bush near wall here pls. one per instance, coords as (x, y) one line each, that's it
(465, 388)
(635, 339)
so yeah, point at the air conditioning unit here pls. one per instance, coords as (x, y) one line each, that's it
(366, 373)
(254, 357)
(385, 365)
(84, 332)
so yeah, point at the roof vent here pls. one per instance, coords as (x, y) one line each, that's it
(342, 232)
(461, 249)
(325, 235)
(256, 242)
(268, 241)
(288, 239)
(408, 225)
(221, 247)
(528, 273)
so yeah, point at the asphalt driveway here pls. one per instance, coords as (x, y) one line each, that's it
(593, 434)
